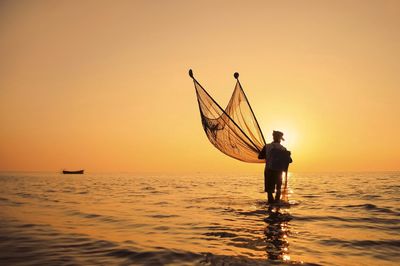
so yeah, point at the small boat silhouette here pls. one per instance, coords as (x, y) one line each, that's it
(78, 172)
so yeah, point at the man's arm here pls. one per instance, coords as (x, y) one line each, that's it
(261, 155)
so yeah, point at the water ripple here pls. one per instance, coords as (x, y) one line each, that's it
(329, 219)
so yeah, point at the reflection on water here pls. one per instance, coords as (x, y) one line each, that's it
(276, 233)
(122, 219)
(277, 229)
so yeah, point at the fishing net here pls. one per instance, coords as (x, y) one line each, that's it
(235, 130)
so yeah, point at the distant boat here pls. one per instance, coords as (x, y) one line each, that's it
(78, 172)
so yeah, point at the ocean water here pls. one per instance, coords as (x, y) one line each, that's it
(204, 219)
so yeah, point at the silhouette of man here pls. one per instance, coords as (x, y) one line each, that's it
(277, 161)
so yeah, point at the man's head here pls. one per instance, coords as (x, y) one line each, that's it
(277, 135)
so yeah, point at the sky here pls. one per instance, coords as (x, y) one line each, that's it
(103, 85)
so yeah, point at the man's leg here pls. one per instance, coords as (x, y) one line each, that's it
(278, 186)
(270, 197)
(269, 184)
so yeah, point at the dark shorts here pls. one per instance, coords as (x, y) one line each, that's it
(272, 179)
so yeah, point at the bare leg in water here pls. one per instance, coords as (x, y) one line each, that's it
(270, 197)
(278, 188)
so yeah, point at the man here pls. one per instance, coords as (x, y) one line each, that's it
(277, 161)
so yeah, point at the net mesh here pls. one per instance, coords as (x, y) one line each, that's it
(234, 131)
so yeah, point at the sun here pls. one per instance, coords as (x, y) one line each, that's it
(290, 134)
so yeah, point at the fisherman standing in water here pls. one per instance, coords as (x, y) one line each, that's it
(277, 161)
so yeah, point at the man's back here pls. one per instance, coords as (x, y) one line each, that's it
(276, 156)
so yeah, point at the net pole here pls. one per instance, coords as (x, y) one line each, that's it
(286, 177)
(236, 75)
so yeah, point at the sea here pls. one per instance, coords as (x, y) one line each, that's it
(198, 219)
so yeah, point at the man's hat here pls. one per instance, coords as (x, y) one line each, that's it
(277, 134)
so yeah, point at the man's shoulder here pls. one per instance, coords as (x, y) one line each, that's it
(274, 145)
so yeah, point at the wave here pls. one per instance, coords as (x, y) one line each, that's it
(372, 207)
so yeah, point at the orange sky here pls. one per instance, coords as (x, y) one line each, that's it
(103, 85)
